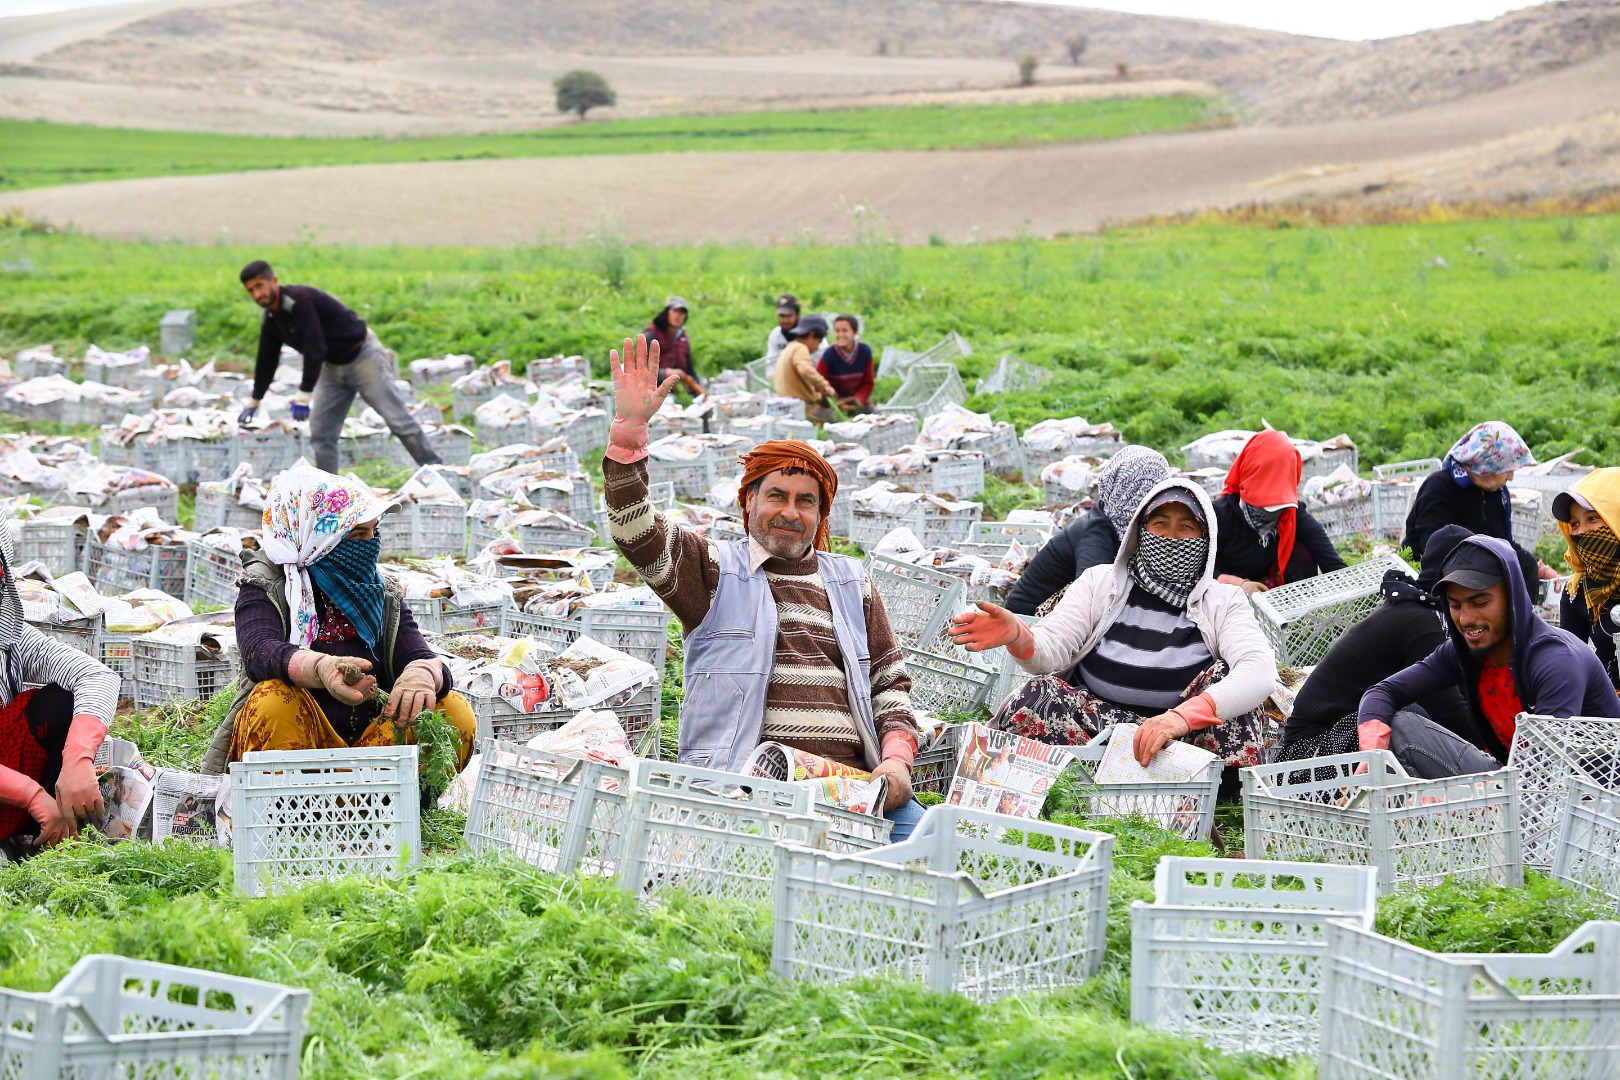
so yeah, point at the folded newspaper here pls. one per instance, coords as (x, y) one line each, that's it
(1005, 773)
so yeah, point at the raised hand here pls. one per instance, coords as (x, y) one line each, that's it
(637, 393)
(988, 628)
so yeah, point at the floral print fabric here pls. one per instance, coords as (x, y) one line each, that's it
(1490, 449)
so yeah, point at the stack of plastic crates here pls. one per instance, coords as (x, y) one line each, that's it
(81, 635)
(935, 763)
(452, 444)
(561, 815)
(427, 530)
(973, 903)
(900, 431)
(443, 616)
(578, 502)
(690, 479)
(271, 451)
(464, 403)
(706, 833)
(1390, 1009)
(1231, 953)
(562, 536)
(207, 459)
(211, 575)
(918, 600)
(57, 544)
(215, 508)
(927, 390)
(114, 571)
(1414, 831)
(168, 671)
(112, 1016)
(896, 362)
(299, 816)
(1012, 375)
(1550, 753)
(934, 525)
(498, 718)
(992, 540)
(943, 684)
(762, 428)
(1003, 453)
(1304, 618)
(1347, 519)
(1587, 852)
(641, 632)
(1185, 808)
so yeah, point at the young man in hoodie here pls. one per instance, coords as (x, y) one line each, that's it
(1503, 658)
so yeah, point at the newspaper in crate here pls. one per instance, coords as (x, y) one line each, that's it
(1177, 763)
(592, 735)
(210, 638)
(863, 795)
(428, 485)
(1004, 773)
(588, 675)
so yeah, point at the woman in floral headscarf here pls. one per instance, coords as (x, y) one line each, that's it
(309, 597)
(1470, 489)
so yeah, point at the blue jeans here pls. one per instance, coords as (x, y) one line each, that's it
(371, 375)
(905, 818)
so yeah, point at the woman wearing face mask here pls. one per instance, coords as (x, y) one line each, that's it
(1588, 608)
(1267, 538)
(311, 596)
(1470, 489)
(1150, 638)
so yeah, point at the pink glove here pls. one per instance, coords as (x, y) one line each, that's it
(16, 789)
(993, 627)
(1373, 735)
(1157, 732)
(77, 790)
(1199, 712)
(900, 746)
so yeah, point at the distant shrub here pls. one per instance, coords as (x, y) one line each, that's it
(1077, 46)
(1026, 70)
(579, 91)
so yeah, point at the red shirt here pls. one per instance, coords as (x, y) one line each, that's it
(1499, 700)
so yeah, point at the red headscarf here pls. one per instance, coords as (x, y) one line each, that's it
(1266, 472)
(780, 454)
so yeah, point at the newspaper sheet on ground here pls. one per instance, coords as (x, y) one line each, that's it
(1004, 773)
(1177, 763)
(127, 791)
(184, 804)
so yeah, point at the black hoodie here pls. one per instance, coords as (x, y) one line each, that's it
(1553, 673)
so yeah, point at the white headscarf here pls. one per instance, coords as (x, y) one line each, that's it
(308, 513)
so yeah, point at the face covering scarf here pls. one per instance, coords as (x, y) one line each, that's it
(348, 576)
(1262, 521)
(307, 514)
(1599, 550)
(1169, 567)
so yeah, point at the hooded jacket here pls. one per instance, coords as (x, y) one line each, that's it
(1553, 673)
(1221, 613)
(1088, 541)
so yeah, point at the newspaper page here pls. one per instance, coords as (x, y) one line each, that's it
(1005, 773)
(1177, 763)
(127, 791)
(861, 794)
(183, 804)
(776, 761)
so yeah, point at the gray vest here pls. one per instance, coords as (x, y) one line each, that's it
(257, 569)
(730, 656)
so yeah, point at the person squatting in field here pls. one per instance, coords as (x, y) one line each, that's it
(342, 358)
(847, 366)
(1585, 515)
(784, 641)
(49, 735)
(797, 374)
(321, 632)
(1150, 639)
(1267, 538)
(668, 328)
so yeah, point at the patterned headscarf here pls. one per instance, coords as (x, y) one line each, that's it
(779, 454)
(308, 513)
(1489, 449)
(11, 609)
(1125, 481)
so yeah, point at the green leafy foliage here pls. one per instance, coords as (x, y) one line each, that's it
(1466, 916)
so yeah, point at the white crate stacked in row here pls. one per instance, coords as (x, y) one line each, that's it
(957, 474)
(927, 389)
(936, 520)
(1414, 831)
(1304, 618)
(965, 905)
(443, 616)
(655, 826)
(1054, 440)
(57, 544)
(453, 444)
(113, 1016)
(993, 540)
(1550, 753)
(692, 477)
(1011, 376)
(186, 461)
(1586, 853)
(896, 362)
(115, 571)
(497, 718)
(878, 434)
(166, 671)
(764, 428)
(1390, 1009)
(299, 816)
(1232, 953)
(641, 632)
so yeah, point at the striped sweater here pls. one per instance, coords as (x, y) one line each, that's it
(807, 699)
(39, 660)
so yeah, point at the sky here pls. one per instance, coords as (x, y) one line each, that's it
(1349, 19)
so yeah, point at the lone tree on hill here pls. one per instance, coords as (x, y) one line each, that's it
(1026, 70)
(579, 91)
(1077, 46)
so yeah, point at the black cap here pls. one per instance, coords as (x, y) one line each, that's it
(1442, 542)
(1472, 566)
(810, 324)
(787, 304)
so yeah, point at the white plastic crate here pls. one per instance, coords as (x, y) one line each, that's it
(896, 362)
(1549, 752)
(453, 445)
(431, 370)
(642, 632)
(118, 654)
(1011, 376)
(443, 616)
(1392, 502)
(933, 525)
(114, 571)
(927, 389)
(545, 538)
(1390, 1009)
(1347, 519)
(271, 451)
(1416, 470)
(354, 450)
(578, 502)
(919, 600)
(1003, 453)
(702, 831)
(206, 460)
(1230, 952)
(972, 903)
(81, 635)
(305, 815)
(1186, 807)
(901, 430)
(165, 459)
(1032, 536)
(215, 509)
(936, 761)
(941, 684)
(1037, 458)
(1414, 831)
(426, 530)
(690, 479)
(167, 671)
(1587, 851)
(558, 814)
(1526, 519)
(497, 718)
(481, 534)
(211, 575)
(57, 544)
(1305, 618)
(165, 500)
(1327, 461)
(112, 1016)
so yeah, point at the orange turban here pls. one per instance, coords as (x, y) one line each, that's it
(781, 454)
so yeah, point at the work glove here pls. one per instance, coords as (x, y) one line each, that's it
(245, 417)
(77, 790)
(330, 671)
(300, 406)
(414, 693)
(16, 789)
(992, 627)
(1156, 732)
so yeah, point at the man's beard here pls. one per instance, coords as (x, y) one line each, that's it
(780, 547)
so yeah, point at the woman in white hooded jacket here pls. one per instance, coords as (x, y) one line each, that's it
(1151, 639)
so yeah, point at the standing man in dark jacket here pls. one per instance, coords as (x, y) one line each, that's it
(1093, 538)
(342, 358)
(1503, 658)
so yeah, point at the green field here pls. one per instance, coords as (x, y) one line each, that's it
(36, 154)
(1166, 333)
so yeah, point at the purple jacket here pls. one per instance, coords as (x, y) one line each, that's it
(1553, 672)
